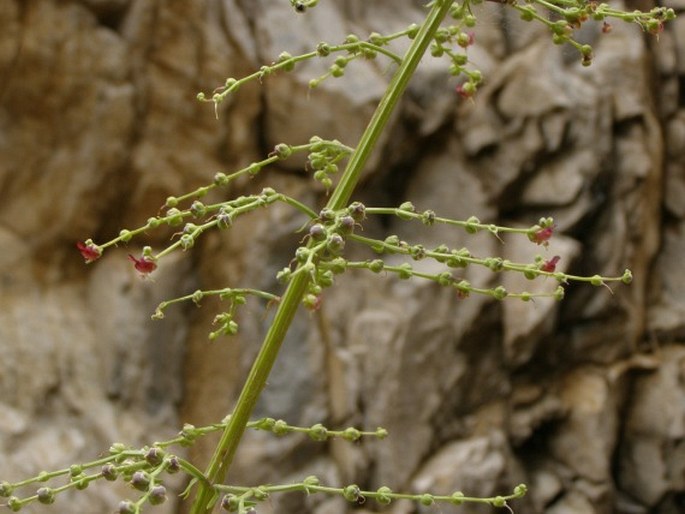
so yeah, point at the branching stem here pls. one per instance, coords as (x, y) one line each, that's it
(256, 380)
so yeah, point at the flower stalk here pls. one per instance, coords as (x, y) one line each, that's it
(297, 287)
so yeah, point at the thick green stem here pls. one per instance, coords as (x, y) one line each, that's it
(225, 451)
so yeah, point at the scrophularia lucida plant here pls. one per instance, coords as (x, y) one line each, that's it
(446, 33)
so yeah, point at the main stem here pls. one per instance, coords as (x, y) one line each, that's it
(256, 380)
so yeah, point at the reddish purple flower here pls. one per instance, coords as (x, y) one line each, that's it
(89, 251)
(144, 265)
(550, 265)
(542, 236)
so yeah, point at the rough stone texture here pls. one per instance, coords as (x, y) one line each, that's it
(583, 401)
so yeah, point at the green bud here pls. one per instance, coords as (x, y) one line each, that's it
(125, 235)
(173, 217)
(46, 495)
(627, 277)
(520, 490)
(500, 293)
(559, 293)
(381, 433)
(405, 271)
(14, 504)
(351, 434)
(337, 71)
(198, 209)
(498, 501)
(351, 493)
(457, 498)
(376, 265)
(187, 241)
(282, 151)
(471, 223)
(383, 495)
(311, 480)
(445, 278)
(318, 432)
(281, 428)
(428, 217)
(323, 49)
(6, 489)
(596, 280)
(426, 499)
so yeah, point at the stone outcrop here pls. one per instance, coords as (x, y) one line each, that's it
(583, 400)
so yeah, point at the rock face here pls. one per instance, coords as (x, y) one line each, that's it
(583, 400)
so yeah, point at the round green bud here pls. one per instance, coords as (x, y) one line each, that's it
(383, 495)
(351, 493)
(520, 490)
(457, 498)
(323, 49)
(627, 277)
(596, 280)
(187, 241)
(14, 504)
(473, 222)
(376, 265)
(426, 499)
(351, 434)
(46, 495)
(337, 71)
(500, 293)
(318, 432)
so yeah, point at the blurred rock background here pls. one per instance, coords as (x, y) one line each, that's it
(584, 400)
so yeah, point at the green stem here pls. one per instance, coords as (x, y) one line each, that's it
(256, 380)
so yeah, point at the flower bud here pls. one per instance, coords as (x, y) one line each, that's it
(46, 495)
(335, 244)
(457, 498)
(318, 432)
(173, 465)
(230, 503)
(351, 493)
(426, 499)
(311, 480)
(140, 480)
(351, 434)
(109, 472)
(383, 495)
(317, 231)
(154, 456)
(157, 495)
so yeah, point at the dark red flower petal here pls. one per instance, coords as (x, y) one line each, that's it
(550, 265)
(89, 252)
(542, 236)
(144, 265)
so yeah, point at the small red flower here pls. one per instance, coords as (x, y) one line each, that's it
(550, 265)
(466, 90)
(542, 236)
(89, 251)
(144, 265)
